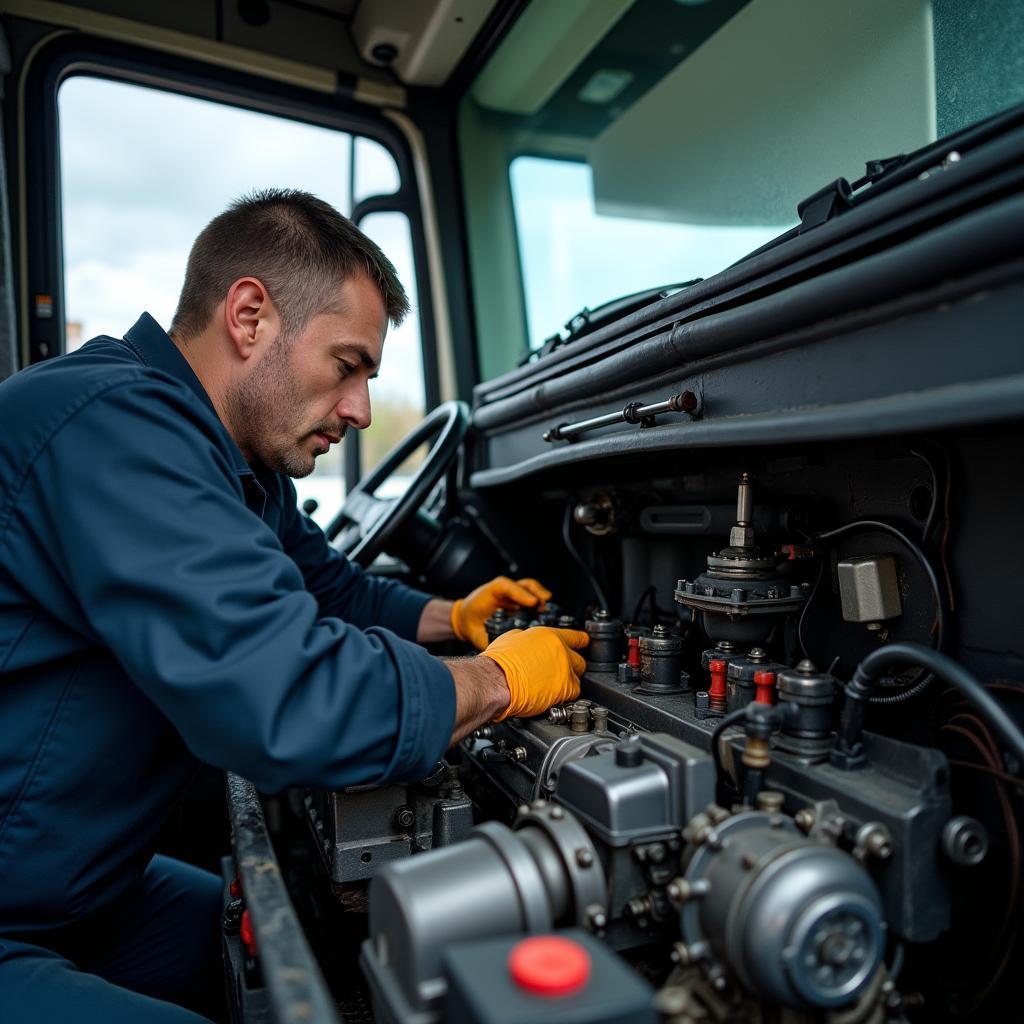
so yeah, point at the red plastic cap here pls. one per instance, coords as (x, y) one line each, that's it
(549, 965)
(245, 933)
(633, 652)
(715, 665)
(764, 678)
(235, 888)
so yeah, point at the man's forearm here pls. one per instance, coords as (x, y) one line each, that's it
(481, 693)
(435, 622)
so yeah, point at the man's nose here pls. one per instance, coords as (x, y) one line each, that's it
(354, 406)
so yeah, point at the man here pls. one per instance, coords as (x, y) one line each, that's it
(163, 603)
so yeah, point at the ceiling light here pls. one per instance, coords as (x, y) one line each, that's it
(604, 85)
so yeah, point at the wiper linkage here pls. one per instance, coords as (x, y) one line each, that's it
(688, 402)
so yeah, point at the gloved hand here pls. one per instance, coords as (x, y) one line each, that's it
(470, 613)
(541, 667)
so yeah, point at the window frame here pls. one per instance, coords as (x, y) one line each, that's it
(72, 54)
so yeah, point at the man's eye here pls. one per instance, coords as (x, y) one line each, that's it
(344, 369)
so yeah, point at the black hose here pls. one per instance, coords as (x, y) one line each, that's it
(923, 679)
(730, 719)
(602, 601)
(869, 672)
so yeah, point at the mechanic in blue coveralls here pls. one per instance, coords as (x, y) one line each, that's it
(163, 604)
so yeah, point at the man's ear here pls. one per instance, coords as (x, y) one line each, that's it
(249, 315)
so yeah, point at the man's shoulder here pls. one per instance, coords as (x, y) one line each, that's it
(104, 375)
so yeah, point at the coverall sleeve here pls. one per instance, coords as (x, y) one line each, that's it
(341, 587)
(139, 506)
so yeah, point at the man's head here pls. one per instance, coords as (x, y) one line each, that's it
(283, 315)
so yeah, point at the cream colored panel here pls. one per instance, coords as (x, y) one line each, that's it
(544, 47)
(787, 96)
(429, 36)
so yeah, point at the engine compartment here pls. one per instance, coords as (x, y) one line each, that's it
(704, 810)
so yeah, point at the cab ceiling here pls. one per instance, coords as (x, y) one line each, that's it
(427, 38)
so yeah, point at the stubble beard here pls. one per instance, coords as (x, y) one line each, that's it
(263, 410)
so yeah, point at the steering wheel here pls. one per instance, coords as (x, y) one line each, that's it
(366, 524)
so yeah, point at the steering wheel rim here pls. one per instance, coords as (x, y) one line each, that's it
(378, 519)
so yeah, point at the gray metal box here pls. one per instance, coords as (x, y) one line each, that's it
(869, 589)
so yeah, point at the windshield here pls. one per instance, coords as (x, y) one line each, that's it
(613, 147)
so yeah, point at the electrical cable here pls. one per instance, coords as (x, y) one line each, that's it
(803, 611)
(929, 522)
(580, 561)
(870, 670)
(922, 680)
(730, 719)
(648, 593)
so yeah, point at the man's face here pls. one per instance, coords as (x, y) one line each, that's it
(306, 390)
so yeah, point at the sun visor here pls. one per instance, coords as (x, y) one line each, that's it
(734, 136)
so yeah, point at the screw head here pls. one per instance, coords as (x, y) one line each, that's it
(584, 857)
(405, 817)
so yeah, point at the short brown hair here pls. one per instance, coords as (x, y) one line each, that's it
(297, 245)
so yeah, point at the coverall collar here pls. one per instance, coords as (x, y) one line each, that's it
(154, 346)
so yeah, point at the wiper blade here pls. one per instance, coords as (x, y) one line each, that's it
(586, 321)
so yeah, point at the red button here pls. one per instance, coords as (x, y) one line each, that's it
(549, 965)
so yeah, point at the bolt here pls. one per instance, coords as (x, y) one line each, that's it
(638, 908)
(874, 841)
(688, 401)
(716, 814)
(804, 819)
(558, 714)
(601, 614)
(584, 857)
(659, 631)
(678, 891)
(518, 753)
(523, 809)
(597, 919)
(806, 667)
(579, 718)
(748, 860)
(405, 817)
(770, 801)
(600, 716)
(556, 813)
(671, 1003)
(656, 853)
(680, 954)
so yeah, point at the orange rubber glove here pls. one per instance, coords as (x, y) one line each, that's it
(470, 613)
(541, 667)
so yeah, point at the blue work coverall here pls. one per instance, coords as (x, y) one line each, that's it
(162, 604)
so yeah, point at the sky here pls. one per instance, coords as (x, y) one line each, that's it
(143, 171)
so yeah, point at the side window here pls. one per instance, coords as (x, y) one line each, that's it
(144, 170)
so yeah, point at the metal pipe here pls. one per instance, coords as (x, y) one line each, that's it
(686, 402)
